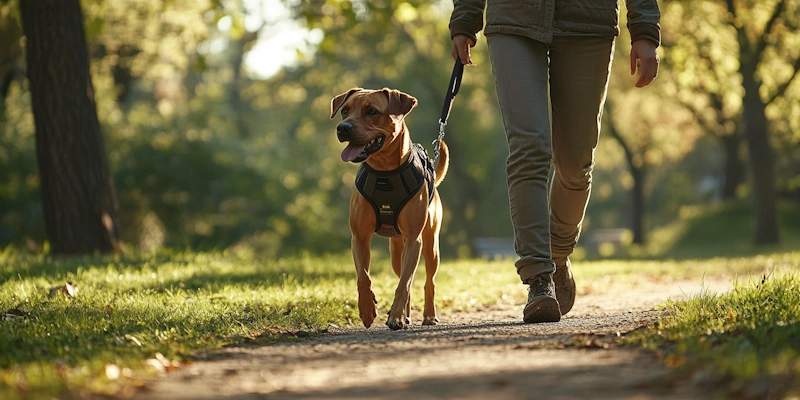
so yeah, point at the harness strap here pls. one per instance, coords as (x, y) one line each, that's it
(389, 191)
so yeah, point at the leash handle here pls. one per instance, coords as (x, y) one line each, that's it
(452, 91)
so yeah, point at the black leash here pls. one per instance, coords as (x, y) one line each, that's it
(452, 91)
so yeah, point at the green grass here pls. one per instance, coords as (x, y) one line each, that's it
(130, 308)
(722, 228)
(748, 338)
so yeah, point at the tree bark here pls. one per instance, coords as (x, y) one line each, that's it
(78, 199)
(639, 174)
(762, 160)
(734, 166)
(638, 204)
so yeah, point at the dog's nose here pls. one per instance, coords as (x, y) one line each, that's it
(344, 131)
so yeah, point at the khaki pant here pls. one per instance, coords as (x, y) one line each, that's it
(547, 229)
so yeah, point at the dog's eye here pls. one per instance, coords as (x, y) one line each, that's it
(344, 111)
(373, 112)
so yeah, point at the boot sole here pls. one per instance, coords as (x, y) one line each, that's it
(545, 309)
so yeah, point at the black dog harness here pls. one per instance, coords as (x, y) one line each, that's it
(389, 191)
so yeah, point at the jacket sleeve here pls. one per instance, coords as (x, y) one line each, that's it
(467, 18)
(643, 20)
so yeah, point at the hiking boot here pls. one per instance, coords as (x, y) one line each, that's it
(565, 287)
(542, 304)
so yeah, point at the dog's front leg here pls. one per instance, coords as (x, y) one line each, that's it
(366, 298)
(410, 259)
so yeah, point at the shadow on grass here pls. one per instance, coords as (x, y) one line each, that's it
(203, 274)
(36, 265)
(728, 231)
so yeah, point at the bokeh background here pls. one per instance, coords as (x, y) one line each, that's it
(216, 122)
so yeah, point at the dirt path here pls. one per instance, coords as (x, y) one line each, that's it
(484, 354)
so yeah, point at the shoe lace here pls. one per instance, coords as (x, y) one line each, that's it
(540, 285)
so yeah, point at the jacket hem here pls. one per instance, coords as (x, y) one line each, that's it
(544, 37)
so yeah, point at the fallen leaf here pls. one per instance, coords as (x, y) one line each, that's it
(156, 364)
(68, 289)
(165, 364)
(134, 340)
(14, 313)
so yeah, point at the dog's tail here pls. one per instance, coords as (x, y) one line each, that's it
(442, 164)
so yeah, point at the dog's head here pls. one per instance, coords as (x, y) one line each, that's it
(371, 120)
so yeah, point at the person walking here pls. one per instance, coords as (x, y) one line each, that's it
(551, 61)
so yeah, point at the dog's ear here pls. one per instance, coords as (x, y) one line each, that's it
(339, 100)
(399, 102)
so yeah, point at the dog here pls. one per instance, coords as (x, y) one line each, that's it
(373, 126)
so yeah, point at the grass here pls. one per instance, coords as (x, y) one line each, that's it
(748, 338)
(723, 228)
(133, 315)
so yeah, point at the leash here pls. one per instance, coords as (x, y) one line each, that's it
(452, 91)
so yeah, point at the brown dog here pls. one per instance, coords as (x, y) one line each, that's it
(373, 124)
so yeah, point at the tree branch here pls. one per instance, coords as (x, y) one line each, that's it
(731, 7)
(776, 13)
(612, 130)
(741, 35)
(782, 88)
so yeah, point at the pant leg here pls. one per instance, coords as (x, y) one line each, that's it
(519, 66)
(579, 71)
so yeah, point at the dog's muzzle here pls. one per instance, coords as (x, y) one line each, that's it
(344, 131)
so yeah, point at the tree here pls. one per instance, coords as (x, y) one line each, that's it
(700, 67)
(760, 39)
(78, 198)
(650, 129)
(10, 53)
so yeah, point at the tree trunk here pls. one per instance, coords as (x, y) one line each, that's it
(78, 198)
(5, 85)
(638, 203)
(762, 162)
(734, 166)
(639, 174)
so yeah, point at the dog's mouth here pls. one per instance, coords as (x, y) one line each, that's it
(358, 153)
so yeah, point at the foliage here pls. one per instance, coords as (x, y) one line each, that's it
(747, 335)
(207, 155)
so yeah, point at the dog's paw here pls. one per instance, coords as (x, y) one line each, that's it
(398, 323)
(366, 309)
(430, 321)
(408, 319)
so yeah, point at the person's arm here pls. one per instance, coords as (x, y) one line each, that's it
(643, 25)
(465, 23)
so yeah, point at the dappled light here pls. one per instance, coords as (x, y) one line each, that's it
(183, 193)
(209, 151)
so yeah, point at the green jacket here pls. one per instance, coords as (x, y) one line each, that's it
(543, 19)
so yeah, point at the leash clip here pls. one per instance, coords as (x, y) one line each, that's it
(437, 143)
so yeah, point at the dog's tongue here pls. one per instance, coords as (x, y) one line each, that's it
(351, 152)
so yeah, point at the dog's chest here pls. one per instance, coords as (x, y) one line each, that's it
(389, 191)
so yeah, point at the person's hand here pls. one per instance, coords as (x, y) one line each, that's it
(644, 58)
(461, 46)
